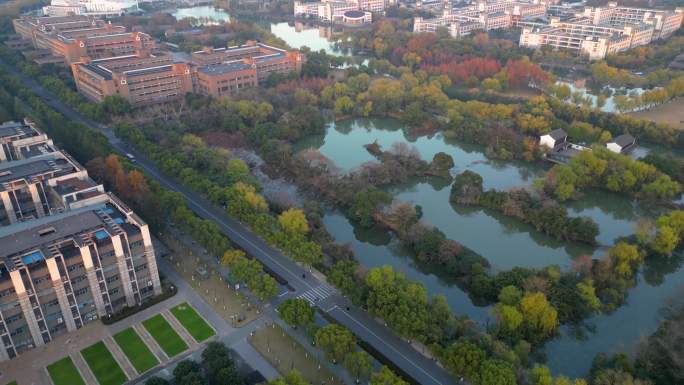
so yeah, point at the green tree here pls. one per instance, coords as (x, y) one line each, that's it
(496, 372)
(292, 378)
(626, 258)
(588, 293)
(510, 295)
(386, 377)
(359, 365)
(463, 359)
(365, 203)
(219, 366)
(665, 241)
(296, 312)
(401, 303)
(344, 105)
(541, 375)
(336, 341)
(540, 318)
(264, 286)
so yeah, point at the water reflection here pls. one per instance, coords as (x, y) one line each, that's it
(205, 15)
(580, 86)
(316, 37)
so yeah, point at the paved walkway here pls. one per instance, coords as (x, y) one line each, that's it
(28, 369)
(249, 354)
(182, 332)
(151, 343)
(83, 368)
(121, 358)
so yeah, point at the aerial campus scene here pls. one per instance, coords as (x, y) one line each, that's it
(384, 192)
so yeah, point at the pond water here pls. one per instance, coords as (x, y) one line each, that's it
(580, 86)
(503, 241)
(205, 15)
(517, 243)
(298, 35)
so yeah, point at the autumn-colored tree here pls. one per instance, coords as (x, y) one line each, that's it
(294, 222)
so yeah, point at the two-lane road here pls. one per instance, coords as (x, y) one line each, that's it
(377, 337)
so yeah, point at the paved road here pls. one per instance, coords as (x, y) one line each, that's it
(402, 356)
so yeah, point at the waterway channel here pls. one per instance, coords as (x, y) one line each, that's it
(505, 242)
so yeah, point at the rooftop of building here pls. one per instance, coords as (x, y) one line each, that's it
(17, 130)
(249, 46)
(130, 65)
(354, 14)
(55, 163)
(225, 68)
(624, 140)
(25, 243)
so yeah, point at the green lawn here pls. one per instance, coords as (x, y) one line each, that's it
(192, 322)
(103, 365)
(166, 337)
(135, 349)
(12, 383)
(64, 372)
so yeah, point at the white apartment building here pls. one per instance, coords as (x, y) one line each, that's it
(334, 10)
(89, 7)
(599, 31)
(482, 15)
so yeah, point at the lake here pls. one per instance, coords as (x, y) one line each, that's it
(205, 15)
(579, 85)
(505, 242)
(298, 35)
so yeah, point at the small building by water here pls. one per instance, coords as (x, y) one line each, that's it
(554, 140)
(622, 144)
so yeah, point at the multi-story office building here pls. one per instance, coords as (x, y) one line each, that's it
(74, 37)
(223, 71)
(225, 79)
(27, 26)
(141, 79)
(599, 31)
(101, 45)
(69, 252)
(334, 10)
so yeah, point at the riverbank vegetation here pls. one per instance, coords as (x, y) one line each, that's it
(604, 169)
(542, 213)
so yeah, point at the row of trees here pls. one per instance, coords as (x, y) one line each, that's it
(337, 342)
(50, 77)
(241, 199)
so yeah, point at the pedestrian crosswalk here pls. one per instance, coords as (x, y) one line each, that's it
(318, 293)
